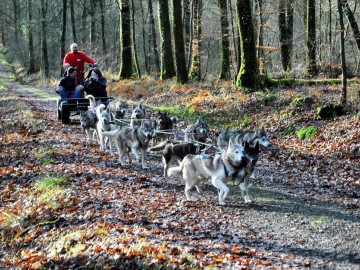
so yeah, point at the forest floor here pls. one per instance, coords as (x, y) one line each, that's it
(67, 205)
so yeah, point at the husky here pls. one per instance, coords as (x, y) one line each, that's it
(136, 139)
(252, 137)
(117, 110)
(219, 168)
(246, 171)
(137, 115)
(88, 122)
(174, 151)
(163, 126)
(103, 124)
(197, 132)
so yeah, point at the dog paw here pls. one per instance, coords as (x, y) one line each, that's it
(222, 203)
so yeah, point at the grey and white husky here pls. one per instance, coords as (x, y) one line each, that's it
(117, 110)
(88, 122)
(136, 139)
(174, 151)
(250, 136)
(103, 124)
(197, 132)
(219, 169)
(137, 116)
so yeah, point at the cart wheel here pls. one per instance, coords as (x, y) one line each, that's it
(58, 109)
(65, 113)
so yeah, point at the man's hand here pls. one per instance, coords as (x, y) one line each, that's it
(58, 90)
(80, 87)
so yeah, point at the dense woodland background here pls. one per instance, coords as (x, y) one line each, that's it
(188, 39)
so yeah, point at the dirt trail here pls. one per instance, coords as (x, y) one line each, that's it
(289, 226)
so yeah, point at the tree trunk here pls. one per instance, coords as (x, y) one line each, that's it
(83, 22)
(143, 38)
(195, 70)
(44, 47)
(181, 70)
(260, 37)
(73, 23)
(92, 13)
(342, 53)
(311, 38)
(167, 62)
(125, 40)
(354, 27)
(248, 77)
(225, 41)
(152, 38)
(236, 40)
(187, 26)
(136, 60)
(103, 34)
(16, 21)
(63, 34)
(286, 21)
(32, 67)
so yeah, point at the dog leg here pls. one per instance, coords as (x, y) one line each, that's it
(143, 152)
(187, 193)
(224, 190)
(244, 187)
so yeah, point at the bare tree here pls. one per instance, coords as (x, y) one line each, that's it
(45, 57)
(63, 33)
(73, 24)
(225, 41)
(342, 53)
(167, 62)
(181, 70)
(286, 21)
(248, 77)
(154, 49)
(125, 40)
(136, 60)
(195, 69)
(311, 38)
(32, 67)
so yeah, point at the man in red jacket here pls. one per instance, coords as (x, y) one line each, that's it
(77, 59)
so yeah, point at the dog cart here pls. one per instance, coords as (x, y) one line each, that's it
(72, 106)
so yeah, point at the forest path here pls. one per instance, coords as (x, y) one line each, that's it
(114, 210)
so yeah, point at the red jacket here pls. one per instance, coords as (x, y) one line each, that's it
(78, 60)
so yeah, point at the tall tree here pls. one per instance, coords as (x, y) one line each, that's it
(181, 70)
(143, 32)
(103, 33)
(248, 76)
(225, 41)
(311, 38)
(16, 20)
(195, 69)
(83, 22)
(32, 67)
(342, 53)
(72, 18)
(92, 12)
(167, 62)
(286, 21)
(260, 36)
(152, 38)
(44, 47)
(187, 7)
(136, 60)
(125, 40)
(355, 28)
(63, 33)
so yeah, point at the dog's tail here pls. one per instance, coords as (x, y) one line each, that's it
(177, 169)
(160, 146)
(111, 133)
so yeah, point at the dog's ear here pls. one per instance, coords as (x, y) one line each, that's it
(257, 146)
(246, 145)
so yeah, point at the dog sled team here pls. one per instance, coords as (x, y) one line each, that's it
(234, 159)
